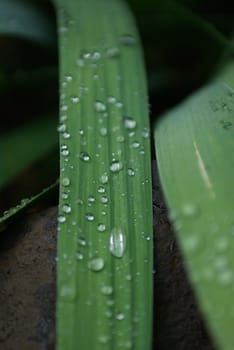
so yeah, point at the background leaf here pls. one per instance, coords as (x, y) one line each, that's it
(194, 147)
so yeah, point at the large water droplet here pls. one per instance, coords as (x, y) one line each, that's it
(96, 264)
(117, 243)
(101, 189)
(75, 99)
(64, 150)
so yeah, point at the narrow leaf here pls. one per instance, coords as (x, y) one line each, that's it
(195, 147)
(26, 203)
(104, 282)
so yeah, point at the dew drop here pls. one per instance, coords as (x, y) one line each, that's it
(116, 166)
(66, 135)
(128, 40)
(189, 210)
(101, 189)
(81, 241)
(84, 157)
(64, 150)
(104, 199)
(112, 52)
(61, 128)
(107, 290)
(96, 56)
(66, 208)
(75, 99)
(61, 219)
(120, 316)
(79, 256)
(100, 106)
(135, 144)
(129, 123)
(96, 264)
(66, 181)
(111, 99)
(104, 178)
(130, 172)
(80, 62)
(101, 227)
(103, 131)
(145, 133)
(91, 199)
(117, 243)
(89, 217)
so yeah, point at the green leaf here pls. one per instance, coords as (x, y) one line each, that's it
(104, 283)
(22, 147)
(23, 19)
(195, 147)
(25, 204)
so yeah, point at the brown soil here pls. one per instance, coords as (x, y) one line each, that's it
(27, 280)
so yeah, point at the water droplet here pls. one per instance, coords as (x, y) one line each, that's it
(79, 256)
(61, 219)
(64, 150)
(64, 108)
(103, 131)
(100, 106)
(81, 132)
(101, 189)
(66, 208)
(117, 243)
(74, 99)
(81, 241)
(128, 40)
(66, 135)
(107, 290)
(84, 156)
(130, 172)
(96, 264)
(111, 99)
(68, 77)
(135, 144)
(129, 123)
(104, 339)
(190, 210)
(67, 292)
(191, 242)
(96, 56)
(66, 181)
(104, 199)
(64, 195)
(116, 166)
(61, 128)
(119, 104)
(145, 133)
(104, 178)
(80, 62)
(89, 217)
(112, 52)
(120, 316)
(101, 227)
(91, 199)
